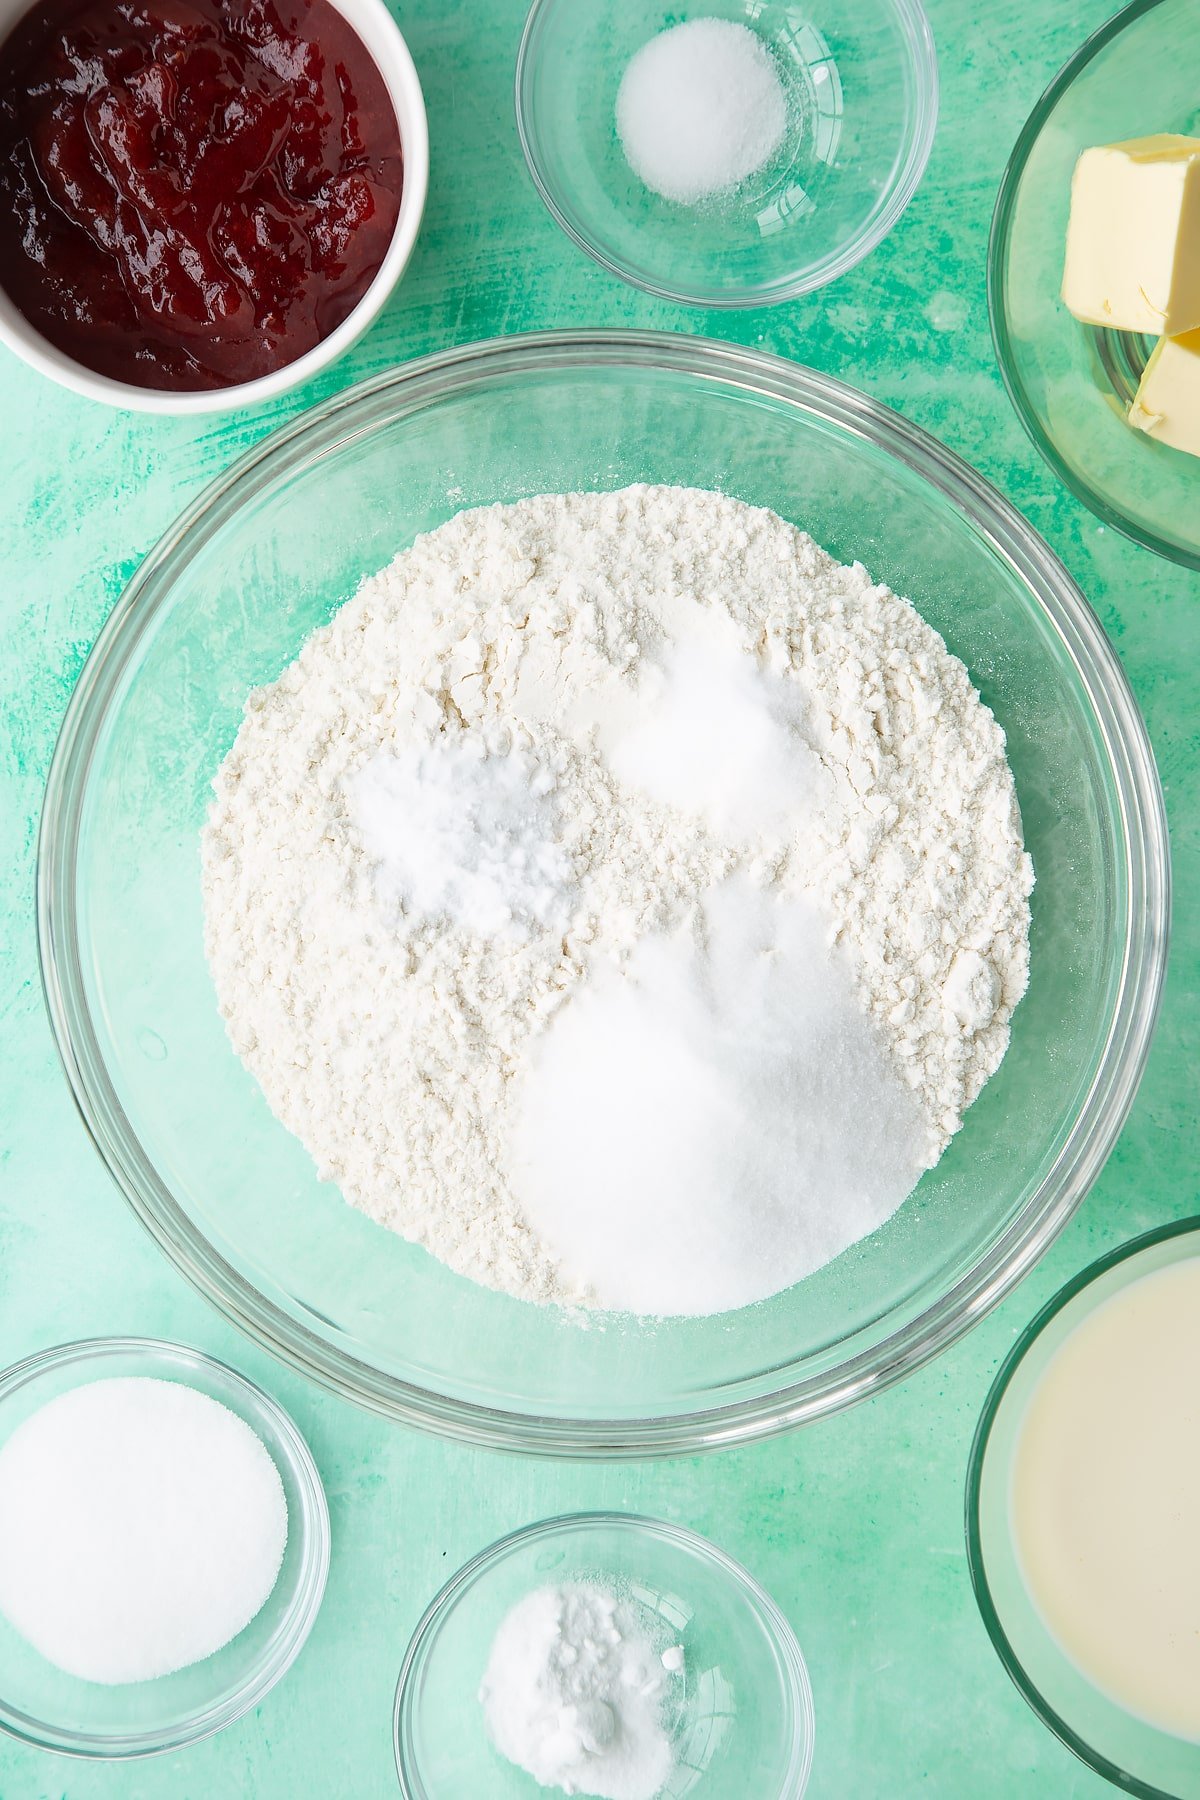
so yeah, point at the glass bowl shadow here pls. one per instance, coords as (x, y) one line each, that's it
(1126, 1750)
(1072, 383)
(862, 93)
(224, 603)
(742, 1725)
(43, 1705)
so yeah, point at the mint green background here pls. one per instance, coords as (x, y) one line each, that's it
(856, 1525)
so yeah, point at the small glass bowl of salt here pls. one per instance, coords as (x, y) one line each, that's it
(603, 1653)
(164, 1544)
(727, 153)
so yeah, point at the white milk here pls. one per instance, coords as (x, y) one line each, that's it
(1106, 1497)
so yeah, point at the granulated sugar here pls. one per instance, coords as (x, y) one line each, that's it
(142, 1526)
(700, 108)
(508, 784)
(717, 1119)
(574, 1693)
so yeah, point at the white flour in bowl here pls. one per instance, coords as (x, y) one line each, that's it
(534, 748)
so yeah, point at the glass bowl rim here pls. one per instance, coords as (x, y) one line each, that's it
(910, 15)
(976, 1561)
(997, 257)
(1122, 1057)
(312, 1526)
(766, 1609)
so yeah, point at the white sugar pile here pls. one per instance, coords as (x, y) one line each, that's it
(142, 1526)
(700, 108)
(717, 1120)
(464, 835)
(719, 738)
(574, 1693)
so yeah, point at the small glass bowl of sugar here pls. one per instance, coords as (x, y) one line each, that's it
(727, 153)
(165, 1547)
(610, 1644)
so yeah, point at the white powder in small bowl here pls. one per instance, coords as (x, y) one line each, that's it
(700, 109)
(467, 835)
(575, 1693)
(142, 1526)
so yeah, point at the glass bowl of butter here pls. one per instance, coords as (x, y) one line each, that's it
(1094, 275)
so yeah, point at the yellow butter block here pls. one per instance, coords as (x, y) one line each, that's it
(1167, 404)
(1133, 240)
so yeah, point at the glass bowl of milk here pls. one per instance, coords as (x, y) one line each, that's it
(1083, 1501)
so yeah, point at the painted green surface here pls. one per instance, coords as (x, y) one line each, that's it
(855, 1526)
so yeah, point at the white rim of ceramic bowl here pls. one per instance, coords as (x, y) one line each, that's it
(918, 33)
(287, 1643)
(795, 1669)
(385, 44)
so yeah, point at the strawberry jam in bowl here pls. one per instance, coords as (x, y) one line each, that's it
(202, 201)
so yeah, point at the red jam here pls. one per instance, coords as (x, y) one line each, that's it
(192, 192)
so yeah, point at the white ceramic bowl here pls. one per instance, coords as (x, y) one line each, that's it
(383, 40)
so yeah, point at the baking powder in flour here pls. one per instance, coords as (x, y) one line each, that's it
(391, 1033)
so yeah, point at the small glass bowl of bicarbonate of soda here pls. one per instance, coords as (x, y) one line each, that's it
(607, 1649)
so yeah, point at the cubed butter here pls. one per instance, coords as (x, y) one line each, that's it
(1167, 406)
(1133, 241)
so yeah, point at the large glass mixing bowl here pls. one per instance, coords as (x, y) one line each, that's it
(226, 599)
